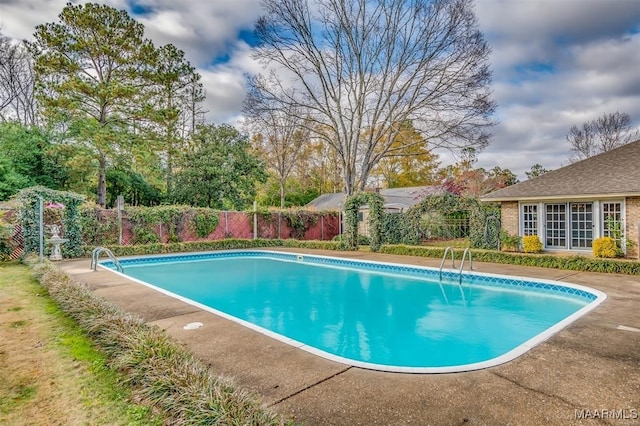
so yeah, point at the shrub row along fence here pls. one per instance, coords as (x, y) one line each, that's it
(170, 224)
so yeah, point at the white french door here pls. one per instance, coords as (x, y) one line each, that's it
(581, 225)
(569, 226)
(556, 226)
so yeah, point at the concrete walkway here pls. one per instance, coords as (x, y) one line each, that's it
(589, 373)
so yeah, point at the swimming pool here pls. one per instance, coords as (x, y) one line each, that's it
(371, 314)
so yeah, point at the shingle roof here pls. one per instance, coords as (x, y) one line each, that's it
(393, 197)
(612, 173)
(331, 201)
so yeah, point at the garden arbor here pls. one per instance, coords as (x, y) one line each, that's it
(62, 206)
(352, 207)
(481, 218)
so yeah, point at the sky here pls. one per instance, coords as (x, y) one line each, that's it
(555, 63)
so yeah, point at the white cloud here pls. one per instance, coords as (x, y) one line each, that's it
(19, 18)
(555, 62)
(204, 30)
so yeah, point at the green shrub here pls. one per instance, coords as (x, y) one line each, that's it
(509, 242)
(363, 240)
(395, 228)
(574, 263)
(606, 247)
(531, 244)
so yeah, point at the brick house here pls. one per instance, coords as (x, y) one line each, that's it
(570, 207)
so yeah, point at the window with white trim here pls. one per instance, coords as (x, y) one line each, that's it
(612, 220)
(529, 219)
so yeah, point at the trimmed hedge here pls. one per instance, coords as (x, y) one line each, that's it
(573, 263)
(228, 244)
(165, 374)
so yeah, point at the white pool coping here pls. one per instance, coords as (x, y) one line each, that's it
(506, 357)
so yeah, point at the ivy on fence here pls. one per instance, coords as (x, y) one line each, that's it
(351, 208)
(431, 216)
(99, 226)
(300, 221)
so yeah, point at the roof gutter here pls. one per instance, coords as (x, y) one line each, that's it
(560, 197)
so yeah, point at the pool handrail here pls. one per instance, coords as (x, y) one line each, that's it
(467, 251)
(95, 254)
(444, 258)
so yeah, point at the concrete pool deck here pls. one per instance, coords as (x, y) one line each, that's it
(588, 373)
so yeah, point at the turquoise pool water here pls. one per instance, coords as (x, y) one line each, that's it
(369, 314)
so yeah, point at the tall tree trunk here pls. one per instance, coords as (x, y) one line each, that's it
(282, 183)
(102, 183)
(349, 180)
(169, 176)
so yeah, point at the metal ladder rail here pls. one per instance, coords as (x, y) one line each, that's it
(95, 254)
(467, 251)
(444, 258)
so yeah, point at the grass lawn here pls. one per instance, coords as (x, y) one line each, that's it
(50, 372)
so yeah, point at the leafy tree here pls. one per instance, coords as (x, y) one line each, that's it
(280, 139)
(174, 80)
(502, 177)
(93, 71)
(408, 161)
(359, 65)
(603, 134)
(30, 155)
(194, 112)
(133, 187)
(298, 193)
(473, 183)
(218, 171)
(536, 170)
(79, 165)
(461, 179)
(320, 168)
(10, 181)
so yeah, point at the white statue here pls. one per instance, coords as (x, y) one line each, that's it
(55, 231)
(56, 241)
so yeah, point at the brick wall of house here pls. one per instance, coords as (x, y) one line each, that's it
(509, 219)
(633, 220)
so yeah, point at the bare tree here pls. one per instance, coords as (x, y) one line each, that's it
(280, 137)
(357, 68)
(17, 102)
(603, 134)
